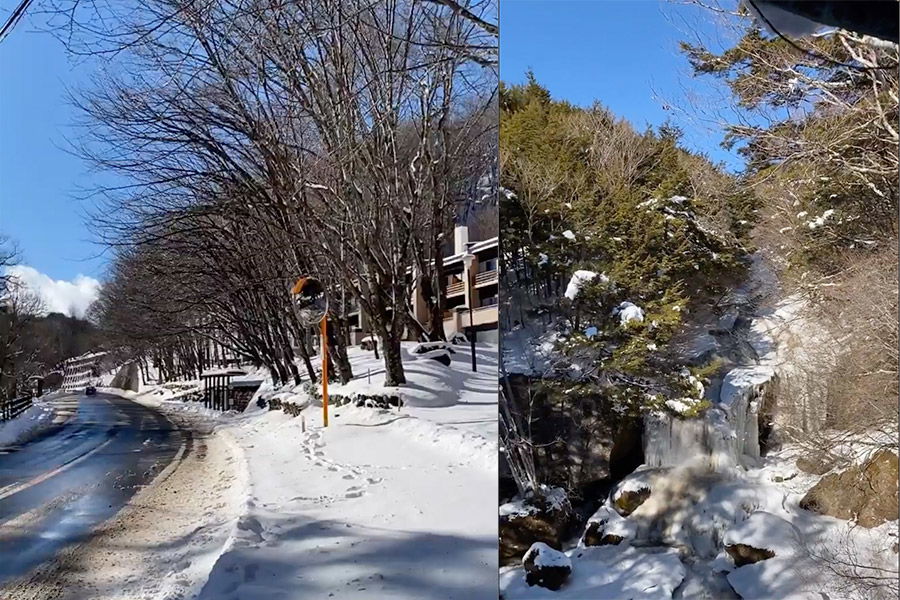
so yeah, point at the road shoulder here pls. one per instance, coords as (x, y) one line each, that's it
(164, 543)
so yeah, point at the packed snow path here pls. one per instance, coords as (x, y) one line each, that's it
(381, 504)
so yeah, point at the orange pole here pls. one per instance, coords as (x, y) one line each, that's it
(325, 370)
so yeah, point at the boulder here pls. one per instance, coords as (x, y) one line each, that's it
(865, 493)
(816, 465)
(546, 567)
(543, 517)
(594, 535)
(579, 434)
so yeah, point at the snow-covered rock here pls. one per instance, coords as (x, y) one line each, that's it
(606, 526)
(760, 536)
(633, 491)
(546, 567)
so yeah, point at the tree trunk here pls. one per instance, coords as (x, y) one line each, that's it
(393, 364)
(304, 354)
(338, 343)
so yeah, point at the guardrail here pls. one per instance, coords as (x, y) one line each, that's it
(10, 409)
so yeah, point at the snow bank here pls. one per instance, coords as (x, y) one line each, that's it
(27, 425)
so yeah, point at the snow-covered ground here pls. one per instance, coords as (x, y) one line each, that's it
(397, 503)
(673, 542)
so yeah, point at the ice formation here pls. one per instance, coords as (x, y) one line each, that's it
(723, 438)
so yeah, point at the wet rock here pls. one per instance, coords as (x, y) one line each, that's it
(546, 567)
(742, 554)
(865, 493)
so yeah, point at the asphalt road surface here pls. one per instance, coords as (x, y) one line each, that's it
(56, 489)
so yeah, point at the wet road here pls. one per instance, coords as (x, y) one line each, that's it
(56, 489)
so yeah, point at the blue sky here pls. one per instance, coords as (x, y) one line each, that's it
(39, 181)
(622, 53)
(619, 52)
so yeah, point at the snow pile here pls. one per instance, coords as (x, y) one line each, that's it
(27, 425)
(628, 312)
(529, 349)
(569, 235)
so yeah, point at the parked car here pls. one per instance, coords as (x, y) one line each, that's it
(90, 390)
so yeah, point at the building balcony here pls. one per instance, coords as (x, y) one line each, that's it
(456, 289)
(486, 278)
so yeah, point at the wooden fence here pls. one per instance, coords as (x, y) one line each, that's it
(10, 409)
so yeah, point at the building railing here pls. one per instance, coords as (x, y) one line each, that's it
(485, 277)
(454, 289)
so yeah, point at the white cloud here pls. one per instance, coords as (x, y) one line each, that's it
(68, 297)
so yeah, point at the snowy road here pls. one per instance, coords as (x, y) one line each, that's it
(54, 490)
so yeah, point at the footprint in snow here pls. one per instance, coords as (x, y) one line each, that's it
(374, 480)
(354, 493)
(350, 476)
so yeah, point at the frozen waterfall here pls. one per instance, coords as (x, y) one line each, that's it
(724, 437)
